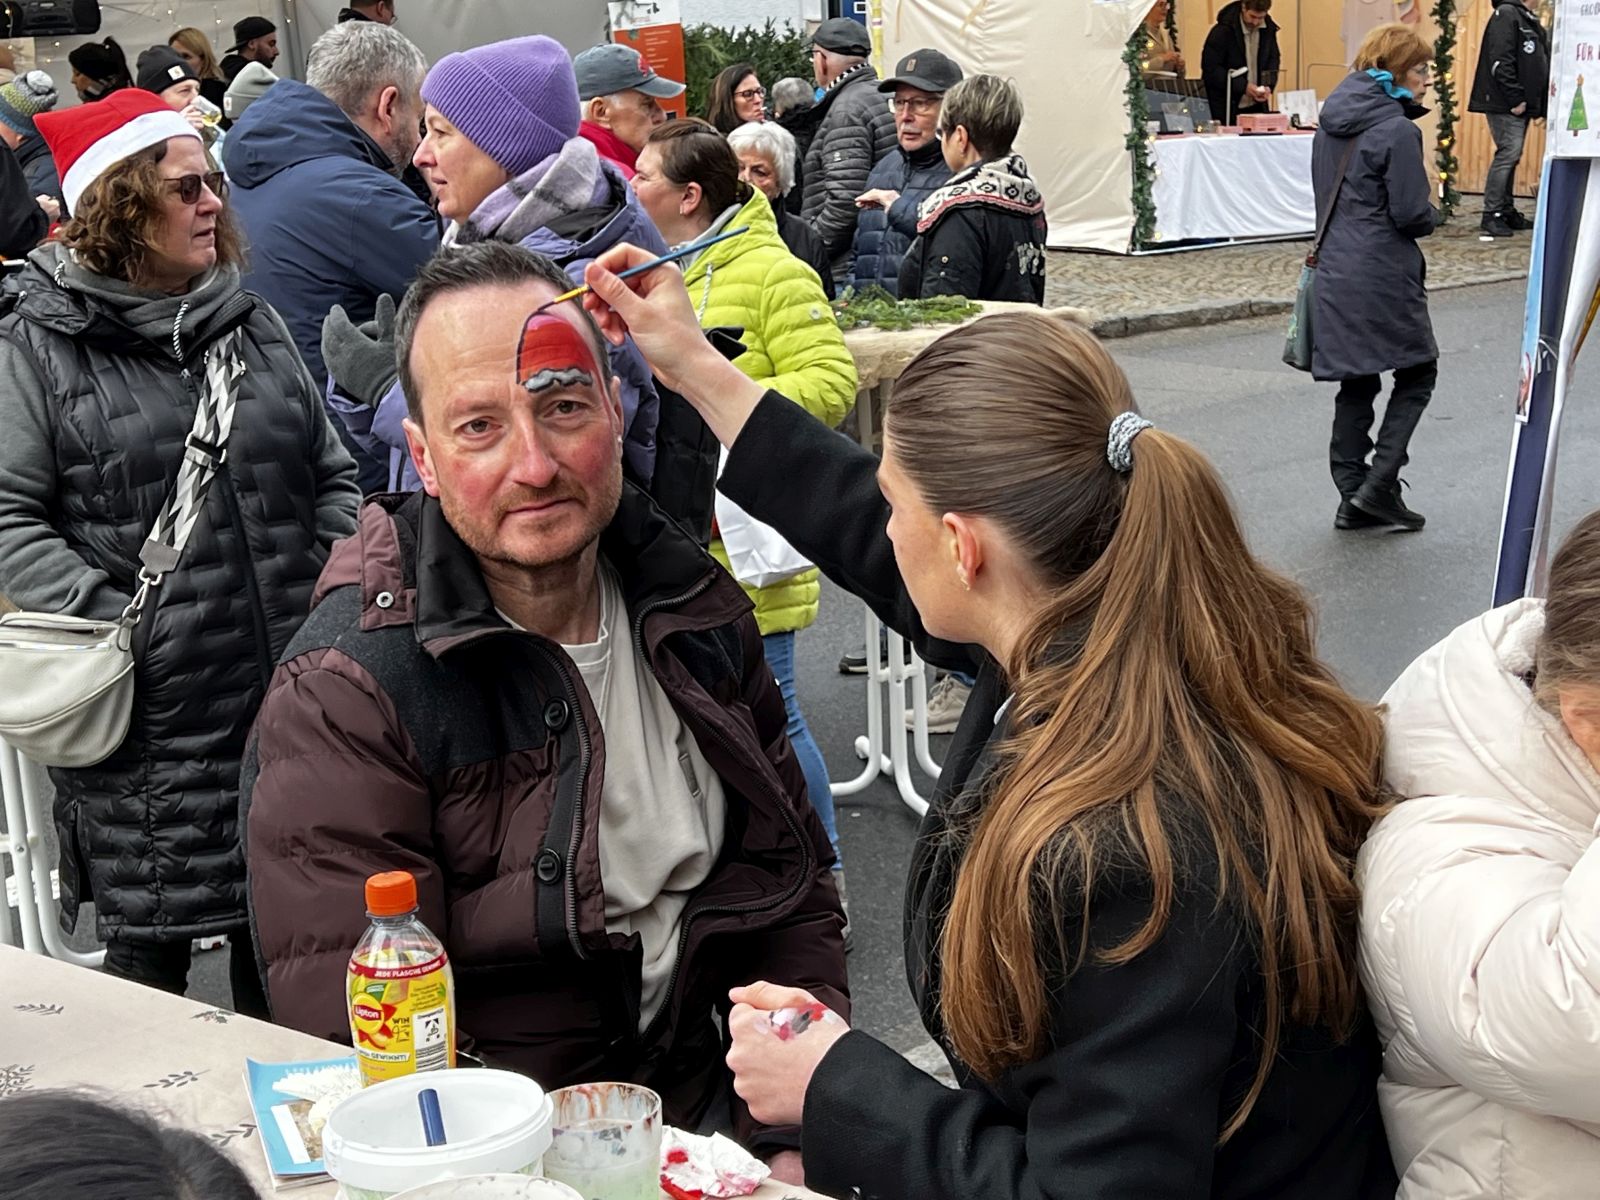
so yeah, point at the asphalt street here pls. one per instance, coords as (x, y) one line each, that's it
(1382, 599)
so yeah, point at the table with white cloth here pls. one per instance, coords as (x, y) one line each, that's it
(63, 1026)
(1229, 185)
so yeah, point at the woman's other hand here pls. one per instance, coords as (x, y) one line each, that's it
(772, 1070)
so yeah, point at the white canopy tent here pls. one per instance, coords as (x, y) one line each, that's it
(1066, 56)
(438, 28)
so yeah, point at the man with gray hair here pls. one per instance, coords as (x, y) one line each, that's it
(315, 172)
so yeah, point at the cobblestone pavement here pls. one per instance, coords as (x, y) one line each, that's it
(1141, 294)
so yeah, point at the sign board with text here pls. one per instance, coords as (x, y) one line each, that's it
(1574, 80)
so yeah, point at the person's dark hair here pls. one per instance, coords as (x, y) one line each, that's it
(693, 152)
(117, 226)
(1569, 648)
(989, 108)
(61, 1144)
(1258, 5)
(104, 62)
(480, 264)
(1169, 701)
(720, 106)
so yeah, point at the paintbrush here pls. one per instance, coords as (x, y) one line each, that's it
(669, 256)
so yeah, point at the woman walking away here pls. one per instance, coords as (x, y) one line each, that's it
(107, 339)
(1130, 919)
(737, 97)
(1480, 908)
(1371, 309)
(688, 181)
(982, 234)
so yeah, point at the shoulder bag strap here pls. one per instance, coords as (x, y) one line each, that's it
(204, 451)
(1327, 215)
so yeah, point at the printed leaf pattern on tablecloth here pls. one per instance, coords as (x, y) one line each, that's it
(243, 1132)
(177, 1079)
(216, 1016)
(40, 1010)
(15, 1078)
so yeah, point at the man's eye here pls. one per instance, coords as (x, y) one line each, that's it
(568, 407)
(479, 426)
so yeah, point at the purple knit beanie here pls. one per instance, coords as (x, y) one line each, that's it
(517, 100)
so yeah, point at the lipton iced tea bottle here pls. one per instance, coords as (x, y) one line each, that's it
(401, 994)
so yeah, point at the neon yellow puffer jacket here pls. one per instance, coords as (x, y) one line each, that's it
(794, 347)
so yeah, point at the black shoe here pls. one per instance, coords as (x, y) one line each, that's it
(1382, 502)
(1516, 220)
(1495, 226)
(854, 663)
(1351, 517)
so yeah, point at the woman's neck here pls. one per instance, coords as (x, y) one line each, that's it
(692, 227)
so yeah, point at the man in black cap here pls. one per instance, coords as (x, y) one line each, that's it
(855, 129)
(381, 11)
(906, 176)
(255, 39)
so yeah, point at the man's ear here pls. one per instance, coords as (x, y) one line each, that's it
(616, 407)
(417, 446)
(598, 111)
(388, 107)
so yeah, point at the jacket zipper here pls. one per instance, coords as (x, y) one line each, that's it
(585, 753)
(691, 915)
(258, 613)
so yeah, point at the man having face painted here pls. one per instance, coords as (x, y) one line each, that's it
(539, 695)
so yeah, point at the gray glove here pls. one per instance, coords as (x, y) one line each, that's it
(360, 358)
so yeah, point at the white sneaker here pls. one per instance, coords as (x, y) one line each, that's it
(946, 703)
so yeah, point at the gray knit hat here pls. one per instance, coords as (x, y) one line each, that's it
(24, 98)
(248, 86)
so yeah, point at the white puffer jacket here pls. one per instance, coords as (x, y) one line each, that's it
(1480, 928)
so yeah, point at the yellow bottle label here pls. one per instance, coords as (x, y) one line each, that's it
(400, 1018)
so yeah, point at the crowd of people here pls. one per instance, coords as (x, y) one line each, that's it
(1186, 917)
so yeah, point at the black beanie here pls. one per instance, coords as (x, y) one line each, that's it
(249, 29)
(99, 60)
(160, 67)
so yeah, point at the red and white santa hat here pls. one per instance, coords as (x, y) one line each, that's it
(90, 139)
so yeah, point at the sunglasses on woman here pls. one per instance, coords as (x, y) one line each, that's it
(188, 186)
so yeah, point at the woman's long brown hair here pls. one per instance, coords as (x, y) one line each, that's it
(1166, 666)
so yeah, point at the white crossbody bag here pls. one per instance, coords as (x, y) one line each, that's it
(66, 683)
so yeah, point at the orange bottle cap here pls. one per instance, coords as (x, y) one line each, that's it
(391, 894)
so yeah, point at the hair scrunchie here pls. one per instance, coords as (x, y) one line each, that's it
(1119, 443)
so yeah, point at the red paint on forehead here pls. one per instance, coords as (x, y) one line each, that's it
(552, 343)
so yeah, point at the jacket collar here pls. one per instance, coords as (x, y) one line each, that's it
(444, 596)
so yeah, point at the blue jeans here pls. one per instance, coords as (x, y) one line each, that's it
(780, 657)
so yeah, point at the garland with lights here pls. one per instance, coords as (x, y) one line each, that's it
(1172, 23)
(1144, 168)
(1444, 15)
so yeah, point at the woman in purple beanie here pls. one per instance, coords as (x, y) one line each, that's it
(502, 156)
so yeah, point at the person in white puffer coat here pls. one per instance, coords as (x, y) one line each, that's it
(1480, 913)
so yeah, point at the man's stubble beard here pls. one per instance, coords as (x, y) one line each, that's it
(484, 543)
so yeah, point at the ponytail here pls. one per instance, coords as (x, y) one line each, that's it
(1167, 670)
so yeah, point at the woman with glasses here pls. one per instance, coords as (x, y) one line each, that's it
(737, 97)
(981, 235)
(107, 339)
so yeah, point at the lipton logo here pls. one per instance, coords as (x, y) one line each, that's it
(363, 1011)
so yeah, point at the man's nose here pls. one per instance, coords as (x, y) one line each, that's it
(534, 464)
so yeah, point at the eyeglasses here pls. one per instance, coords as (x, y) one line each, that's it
(921, 105)
(188, 186)
(755, 93)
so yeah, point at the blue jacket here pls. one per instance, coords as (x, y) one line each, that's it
(573, 243)
(325, 220)
(884, 235)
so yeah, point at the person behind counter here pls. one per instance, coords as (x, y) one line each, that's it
(1240, 61)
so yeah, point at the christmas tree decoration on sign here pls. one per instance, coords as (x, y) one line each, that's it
(1574, 68)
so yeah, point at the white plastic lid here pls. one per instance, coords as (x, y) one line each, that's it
(496, 1121)
(492, 1187)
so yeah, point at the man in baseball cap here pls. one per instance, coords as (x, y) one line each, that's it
(621, 94)
(255, 39)
(906, 176)
(844, 36)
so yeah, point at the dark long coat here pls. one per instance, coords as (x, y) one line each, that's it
(1371, 311)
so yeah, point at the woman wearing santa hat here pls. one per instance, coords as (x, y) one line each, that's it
(108, 338)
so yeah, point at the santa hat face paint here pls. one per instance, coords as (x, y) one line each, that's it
(552, 353)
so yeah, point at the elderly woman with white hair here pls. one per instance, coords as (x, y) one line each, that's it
(768, 157)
